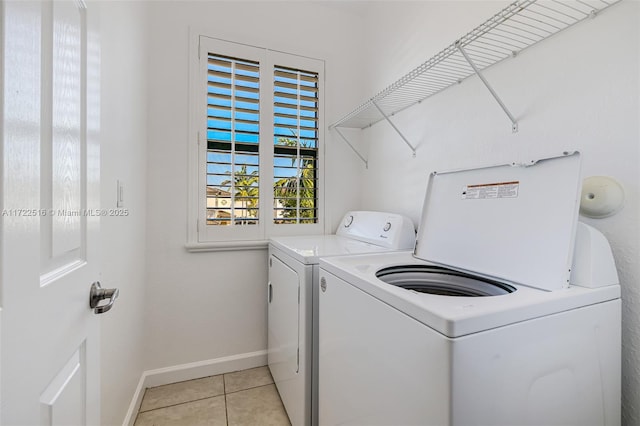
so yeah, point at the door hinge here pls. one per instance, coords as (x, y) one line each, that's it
(298, 360)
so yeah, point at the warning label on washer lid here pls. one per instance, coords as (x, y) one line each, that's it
(491, 190)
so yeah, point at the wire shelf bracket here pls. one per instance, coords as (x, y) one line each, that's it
(518, 26)
(514, 123)
(364, 160)
(386, 117)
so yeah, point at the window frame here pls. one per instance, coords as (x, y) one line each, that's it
(203, 237)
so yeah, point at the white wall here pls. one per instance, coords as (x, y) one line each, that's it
(204, 306)
(123, 238)
(578, 90)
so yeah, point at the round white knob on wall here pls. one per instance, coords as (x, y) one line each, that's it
(602, 196)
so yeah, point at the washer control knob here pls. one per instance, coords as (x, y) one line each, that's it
(387, 226)
(323, 284)
(348, 221)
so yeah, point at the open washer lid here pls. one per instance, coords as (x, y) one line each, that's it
(513, 222)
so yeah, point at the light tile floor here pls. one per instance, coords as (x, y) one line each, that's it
(242, 398)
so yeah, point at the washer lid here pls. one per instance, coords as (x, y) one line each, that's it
(513, 222)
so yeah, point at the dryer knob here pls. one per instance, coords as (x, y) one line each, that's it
(387, 226)
(323, 284)
(348, 221)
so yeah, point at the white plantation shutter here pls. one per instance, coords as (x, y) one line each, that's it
(258, 158)
(233, 137)
(295, 156)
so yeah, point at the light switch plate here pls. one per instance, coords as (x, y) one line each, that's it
(120, 197)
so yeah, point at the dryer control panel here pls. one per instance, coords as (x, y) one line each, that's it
(388, 230)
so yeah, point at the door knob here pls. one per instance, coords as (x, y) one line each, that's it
(98, 293)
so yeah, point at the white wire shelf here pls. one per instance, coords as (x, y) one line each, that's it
(518, 26)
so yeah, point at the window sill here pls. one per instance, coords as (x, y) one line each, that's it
(227, 246)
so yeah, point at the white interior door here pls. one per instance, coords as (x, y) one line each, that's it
(49, 351)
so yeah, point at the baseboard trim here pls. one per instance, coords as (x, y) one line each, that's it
(132, 412)
(190, 371)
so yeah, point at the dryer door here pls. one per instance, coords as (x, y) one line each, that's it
(284, 314)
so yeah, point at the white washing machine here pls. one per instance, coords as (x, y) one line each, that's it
(292, 295)
(507, 313)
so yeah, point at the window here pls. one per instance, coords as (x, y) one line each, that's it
(257, 118)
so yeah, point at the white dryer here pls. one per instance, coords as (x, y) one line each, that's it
(292, 295)
(491, 321)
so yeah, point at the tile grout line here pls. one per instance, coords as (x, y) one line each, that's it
(140, 410)
(226, 408)
(185, 381)
(208, 397)
(216, 396)
(225, 393)
(181, 403)
(252, 387)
